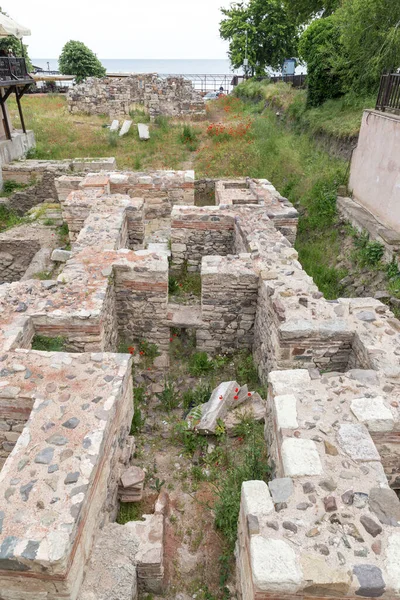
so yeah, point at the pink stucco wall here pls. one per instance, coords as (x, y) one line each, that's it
(375, 167)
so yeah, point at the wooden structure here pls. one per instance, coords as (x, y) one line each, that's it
(14, 79)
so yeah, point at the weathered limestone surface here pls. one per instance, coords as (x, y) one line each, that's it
(54, 484)
(171, 96)
(332, 527)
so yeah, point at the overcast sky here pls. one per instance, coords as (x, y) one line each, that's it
(122, 28)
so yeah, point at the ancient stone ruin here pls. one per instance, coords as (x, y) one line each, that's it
(170, 96)
(325, 527)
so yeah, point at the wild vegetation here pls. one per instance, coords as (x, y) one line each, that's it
(346, 44)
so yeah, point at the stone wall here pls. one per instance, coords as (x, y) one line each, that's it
(141, 289)
(229, 290)
(40, 176)
(172, 96)
(198, 232)
(160, 190)
(204, 192)
(15, 258)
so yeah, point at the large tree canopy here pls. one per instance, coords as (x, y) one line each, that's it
(272, 35)
(305, 10)
(370, 37)
(77, 59)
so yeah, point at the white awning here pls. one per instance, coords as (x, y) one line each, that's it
(10, 27)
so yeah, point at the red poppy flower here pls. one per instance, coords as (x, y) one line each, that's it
(131, 350)
(249, 394)
(237, 389)
(236, 397)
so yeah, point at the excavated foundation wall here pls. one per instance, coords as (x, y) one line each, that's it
(325, 527)
(15, 258)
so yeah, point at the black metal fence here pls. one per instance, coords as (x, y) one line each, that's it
(389, 92)
(297, 81)
(13, 69)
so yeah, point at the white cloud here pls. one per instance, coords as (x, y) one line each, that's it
(122, 28)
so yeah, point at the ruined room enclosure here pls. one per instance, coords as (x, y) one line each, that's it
(65, 417)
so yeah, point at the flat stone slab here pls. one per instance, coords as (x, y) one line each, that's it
(144, 132)
(125, 128)
(222, 398)
(114, 125)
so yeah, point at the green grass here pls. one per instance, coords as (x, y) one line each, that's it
(9, 218)
(49, 344)
(10, 186)
(301, 171)
(61, 135)
(340, 118)
(129, 511)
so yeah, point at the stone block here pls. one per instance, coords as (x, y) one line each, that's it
(284, 382)
(373, 413)
(300, 457)
(114, 126)
(286, 412)
(275, 566)
(256, 498)
(356, 442)
(216, 408)
(125, 128)
(281, 489)
(59, 255)
(143, 130)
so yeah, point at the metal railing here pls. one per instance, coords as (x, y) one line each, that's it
(389, 93)
(13, 69)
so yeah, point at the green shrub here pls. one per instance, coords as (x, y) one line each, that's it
(368, 252)
(319, 47)
(374, 252)
(188, 137)
(169, 397)
(200, 364)
(11, 186)
(185, 435)
(138, 420)
(196, 396)
(149, 350)
(173, 285)
(162, 122)
(113, 139)
(251, 465)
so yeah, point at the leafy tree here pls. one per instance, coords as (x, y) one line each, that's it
(271, 35)
(319, 47)
(77, 59)
(370, 37)
(305, 10)
(12, 43)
